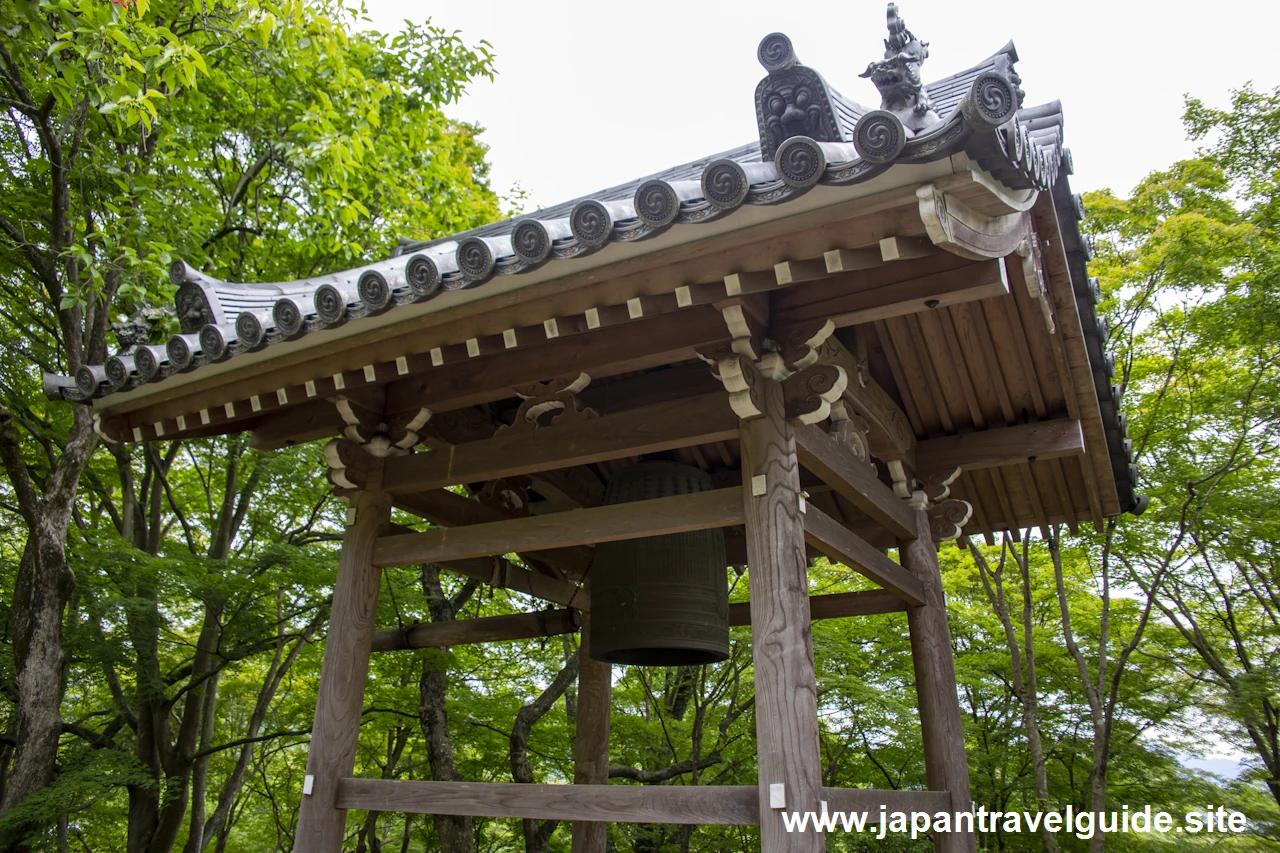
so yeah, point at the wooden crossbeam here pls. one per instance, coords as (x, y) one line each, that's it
(662, 426)
(486, 629)
(869, 800)
(841, 544)
(1002, 446)
(724, 805)
(673, 804)
(851, 298)
(507, 575)
(448, 509)
(549, 623)
(677, 514)
(854, 480)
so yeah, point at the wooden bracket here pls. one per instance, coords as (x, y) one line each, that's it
(1033, 277)
(505, 497)
(937, 484)
(851, 430)
(377, 436)
(745, 384)
(889, 436)
(808, 394)
(800, 343)
(953, 225)
(559, 394)
(947, 518)
(348, 464)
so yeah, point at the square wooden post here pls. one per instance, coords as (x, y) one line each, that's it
(591, 740)
(340, 700)
(781, 640)
(946, 767)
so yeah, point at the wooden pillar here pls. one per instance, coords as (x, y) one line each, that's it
(946, 768)
(340, 700)
(782, 643)
(591, 741)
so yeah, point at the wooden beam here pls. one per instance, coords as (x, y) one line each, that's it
(1001, 446)
(946, 768)
(854, 480)
(677, 514)
(841, 544)
(591, 738)
(662, 426)
(870, 801)
(529, 626)
(837, 605)
(340, 698)
(449, 509)
(846, 299)
(486, 629)
(790, 767)
(672, 804)
(507, 575)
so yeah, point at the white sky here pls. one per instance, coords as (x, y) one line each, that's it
(593, 94)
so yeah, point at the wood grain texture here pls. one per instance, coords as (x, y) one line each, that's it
(340, 700)
(485, 629)
(844, 546)
(1002, 446)
(724, 805)
(870, 800)
(781, 640)
(591, 738)
(508, 575)
(836, 605)
(946, 768)
(662, 426)
(850, 306)
(676, 514)
(529, 626)
(852, 479)
(448, 509)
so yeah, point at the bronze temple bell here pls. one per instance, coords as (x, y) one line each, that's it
(661, 600)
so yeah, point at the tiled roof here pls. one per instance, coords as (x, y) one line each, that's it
(810, 134)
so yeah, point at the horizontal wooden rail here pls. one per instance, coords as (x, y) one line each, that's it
(662, 426)
(486, 629)
(446, 509)
(696, 804)
(855, 480)
(724, 805)
(842, 544)
(548, 623)
(869, 801)
(1002, 446)
(677, 514)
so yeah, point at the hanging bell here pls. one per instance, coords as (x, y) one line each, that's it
(661, 600)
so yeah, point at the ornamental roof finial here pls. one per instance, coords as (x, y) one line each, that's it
(897, 76)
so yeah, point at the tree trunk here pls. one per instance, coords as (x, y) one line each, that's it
(456, 832)
(44, 586)
(537, 834)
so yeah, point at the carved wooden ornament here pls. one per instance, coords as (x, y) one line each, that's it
(809, 394)
(383, 438)
(348, 464)
(953, 225)
(801, 344)
(559, 394)
(937, 484)
(1033, 277)
(743, 381)
(947, 518)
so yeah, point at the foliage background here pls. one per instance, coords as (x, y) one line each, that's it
(269, 140)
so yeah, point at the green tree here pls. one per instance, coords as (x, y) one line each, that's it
(256, 139)
(1191, 263)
